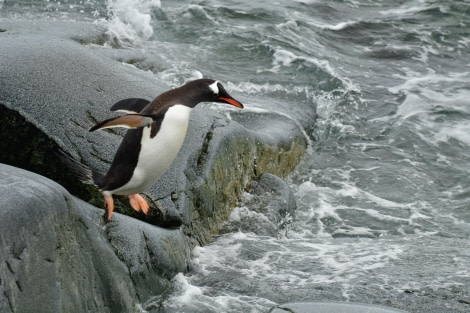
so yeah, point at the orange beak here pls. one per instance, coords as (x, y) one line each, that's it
(231, 101)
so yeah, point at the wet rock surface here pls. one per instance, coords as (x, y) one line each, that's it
(57, 255)
(332, 307)
(56, 249)
(267, 209)
(54, 89)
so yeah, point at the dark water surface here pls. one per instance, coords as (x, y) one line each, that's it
(384, 192)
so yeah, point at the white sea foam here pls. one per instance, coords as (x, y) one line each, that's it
(415, 81)
(353, 191)
(340, 26)
(194, 9)
(240, 213)
(459, 132)
(429, 98)
(333, 27)
(407, 9)
(129, 20)
(254, 88)
(285, 58)
(294, 262)
(186, 291)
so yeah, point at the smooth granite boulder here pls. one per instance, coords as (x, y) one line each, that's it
(331, 307)
(55, 88)
(267, 209)
(52, 90)
(56, 254)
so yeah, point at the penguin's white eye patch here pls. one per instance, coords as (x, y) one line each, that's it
(214, 87)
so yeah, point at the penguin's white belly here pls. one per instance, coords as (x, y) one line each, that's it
(158, 153)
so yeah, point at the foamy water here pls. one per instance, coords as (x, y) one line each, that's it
(381, 92)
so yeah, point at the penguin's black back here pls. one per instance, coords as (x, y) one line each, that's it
(124, 162)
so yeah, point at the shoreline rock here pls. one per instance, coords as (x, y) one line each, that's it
(53, 90)
(331, 307)
(52, 104)
(54, 252)
(266, 210)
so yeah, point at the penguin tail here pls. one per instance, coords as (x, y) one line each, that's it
(85, 174)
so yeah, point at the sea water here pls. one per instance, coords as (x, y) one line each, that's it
(382, 92)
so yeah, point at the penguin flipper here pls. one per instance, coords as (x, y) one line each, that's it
(126, 121)
(131, 105)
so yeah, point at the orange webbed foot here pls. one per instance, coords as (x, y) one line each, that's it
(109, 206)
(138, 203)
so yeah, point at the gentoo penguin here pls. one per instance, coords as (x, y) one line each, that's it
(156, 133)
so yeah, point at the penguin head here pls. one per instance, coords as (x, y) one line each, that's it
(209, 90)
(144, 113)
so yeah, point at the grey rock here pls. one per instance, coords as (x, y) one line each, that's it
(56, 255)
(54, 89)
(332, 307)
(56, 252)
(277, 192)
(228, 162)
(271, 204)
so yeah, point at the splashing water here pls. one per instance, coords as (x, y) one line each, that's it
(129, 22)
(383, 193)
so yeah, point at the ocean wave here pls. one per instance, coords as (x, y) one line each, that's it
(336, 27)
(129, 21)
(189, 297)
(436, 105)
(285, 58)
(382, 192)
(304, 264)
(459, 132)
(410, 9)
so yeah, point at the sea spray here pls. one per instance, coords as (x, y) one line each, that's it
(129, 21)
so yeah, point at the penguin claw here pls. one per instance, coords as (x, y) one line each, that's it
(138, 203)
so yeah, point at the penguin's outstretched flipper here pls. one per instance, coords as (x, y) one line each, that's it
(126, 121)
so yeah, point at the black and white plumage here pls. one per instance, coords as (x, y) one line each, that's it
(156, 133)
